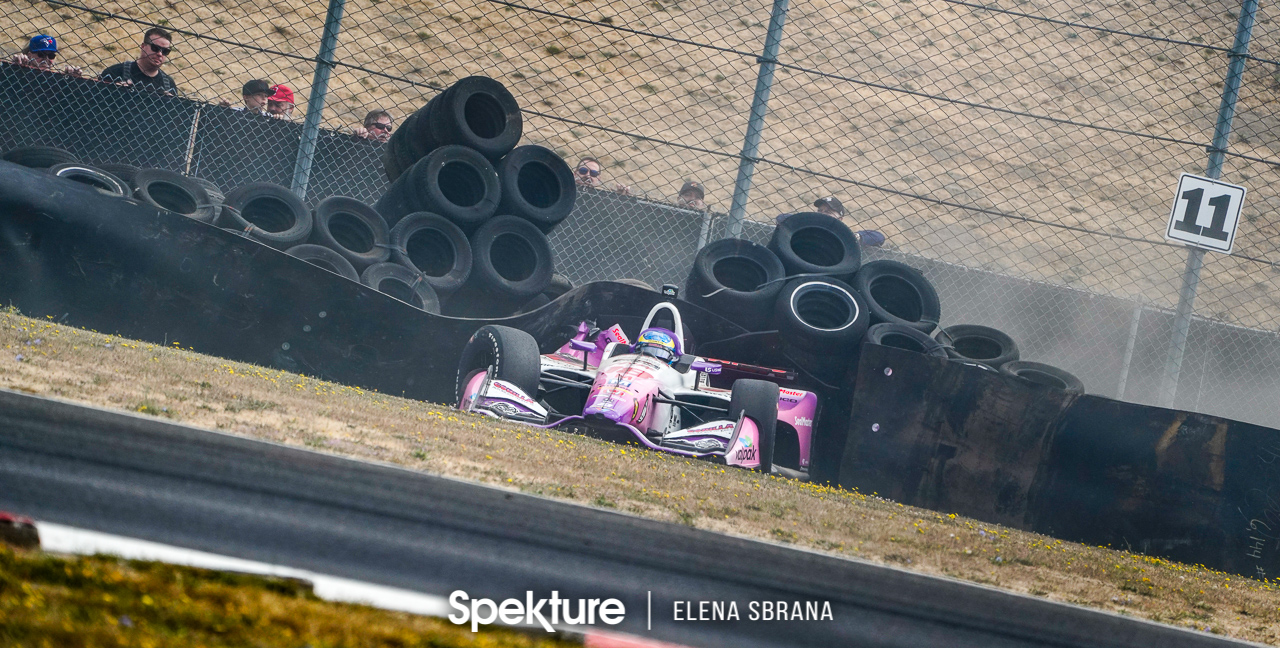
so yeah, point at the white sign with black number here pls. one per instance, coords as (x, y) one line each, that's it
(1205, 213)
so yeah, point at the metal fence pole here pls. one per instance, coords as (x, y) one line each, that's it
(755, 125)
(1217, 153)
(315, 102)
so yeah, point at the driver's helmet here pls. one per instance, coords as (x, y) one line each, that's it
(658, 343)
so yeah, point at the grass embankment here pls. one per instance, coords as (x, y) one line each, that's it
(51, 360)
(47, 600)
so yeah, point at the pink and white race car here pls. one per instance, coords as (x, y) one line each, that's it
(649, 392)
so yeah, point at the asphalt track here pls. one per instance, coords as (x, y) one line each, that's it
(150, 479)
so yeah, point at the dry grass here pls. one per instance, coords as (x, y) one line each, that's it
(40, 357)
(881, 130)
(47, 600)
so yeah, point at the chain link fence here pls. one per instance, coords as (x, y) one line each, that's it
(1024, 153)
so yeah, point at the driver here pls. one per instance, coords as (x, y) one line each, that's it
(657, 343)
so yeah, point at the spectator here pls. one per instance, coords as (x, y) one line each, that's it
(831, 206)
(691, 196)
(145, 71)
(588, 175)
(255, 95)
(377, 126)
(280, 103)
(39, 54)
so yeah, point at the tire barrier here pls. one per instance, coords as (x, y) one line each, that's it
(453, 181)
(981, 344)
(268, 213)
(174, 192)
(216, 194)
(353, 230)
(559, 285)
(902, 336)
(434, 247)
(403, 284)
(537, 186)
(476, 112)
(1043, 374)
(321, 256)
(511, 263)
(814, 243)
(899, 294)
(100, 180)
(534, 304)
(39, 157)
(821, 315)
(125, 172)
(738, 279)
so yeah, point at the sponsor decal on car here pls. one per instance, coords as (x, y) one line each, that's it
(802, 421)
(615, 334)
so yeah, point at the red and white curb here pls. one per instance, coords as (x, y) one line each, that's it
(57, 538)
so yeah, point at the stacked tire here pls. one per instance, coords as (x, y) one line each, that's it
(463, 192)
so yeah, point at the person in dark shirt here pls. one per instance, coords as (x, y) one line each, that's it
(145, 71)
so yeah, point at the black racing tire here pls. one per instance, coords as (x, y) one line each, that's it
(174, 192)
(479, 113)
(899, 294)
(738, 280)
(512, 353)
(103, 182)
(352, 229)
(822, 315)
(758, 399)
(216, 194)
(453, 181)
(429, 244)
(559, 285)
(269, 213)
(814, 243)
(537, 186)
(983, 344)
(901, 336)
(125, 172)
(1043, 374)
(511, 259)
(321, 256)
(418, 140)
(39, 157)
(403, 284)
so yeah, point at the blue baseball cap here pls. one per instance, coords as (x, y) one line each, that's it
(43, 43)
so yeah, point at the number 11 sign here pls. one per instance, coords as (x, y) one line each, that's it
(1205, 213)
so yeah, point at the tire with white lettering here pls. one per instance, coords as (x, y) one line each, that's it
(758, 400)
(814, 243)
(512, 353)
(352, 229)
(323, 257)
(1043, 374)
(98, 179)
(738, 280)
(901, 336)
(821, 314)
(983, 344)
(403, 284)
(898, 293)
(268, 213)
(176, 193)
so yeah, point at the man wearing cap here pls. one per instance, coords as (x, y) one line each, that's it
(40, 53)
(280, 103)
(255, 95)
(831, 206)
(145, 71)
(691, 196)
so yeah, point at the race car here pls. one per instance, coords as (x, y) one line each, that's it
(648, 392)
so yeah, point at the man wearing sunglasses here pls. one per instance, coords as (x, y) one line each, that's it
(377, 126)
(145, 71)
(40, 54)
(588, 175)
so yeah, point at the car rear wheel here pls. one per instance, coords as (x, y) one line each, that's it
(758, 400)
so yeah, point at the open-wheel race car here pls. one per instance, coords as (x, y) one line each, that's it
(650, 392)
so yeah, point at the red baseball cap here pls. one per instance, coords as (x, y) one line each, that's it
(282, 93)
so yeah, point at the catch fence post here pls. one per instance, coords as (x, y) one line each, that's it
(1217, 153)
(755, 124)
(315, 102)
